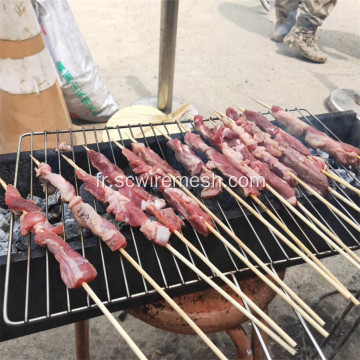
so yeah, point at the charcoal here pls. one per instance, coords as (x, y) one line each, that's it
(3, 248)
(4, 237)
(72, 230)
(67, 213)
(54, 213)
(17, 237)
(54, 199)
(22, 245)
(3, 211)
(4, 224)
(8, 216)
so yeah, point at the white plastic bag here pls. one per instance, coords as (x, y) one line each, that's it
(85, 93)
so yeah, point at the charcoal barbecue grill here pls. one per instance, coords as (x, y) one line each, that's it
(34, 298)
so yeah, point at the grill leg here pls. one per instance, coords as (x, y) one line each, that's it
(242, 343)
(82, 340)
(255, 343)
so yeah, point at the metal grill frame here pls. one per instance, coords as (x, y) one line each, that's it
(111, 302)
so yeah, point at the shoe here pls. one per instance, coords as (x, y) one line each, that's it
(278, 38)
(283, 27)
(266, 4)
(303, 39)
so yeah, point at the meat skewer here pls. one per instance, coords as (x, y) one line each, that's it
(88, 181)
(294, 162)
(344, 153)
(240, 293)
(194, 165)
(310, 171)
(237, 253)
(237, 153)
(322, 270)
(62, 250)
(297, 213)
(68, 195)
(288, 140)
(292, 157)
(290, 150)
(314, 258)
(84, 214)
(74, 268)
(217, 288)
(208, 134)
(323, 227)
(100, 162)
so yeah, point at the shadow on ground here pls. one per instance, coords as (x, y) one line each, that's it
(249, 18)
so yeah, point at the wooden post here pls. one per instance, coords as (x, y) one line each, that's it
(30, 95)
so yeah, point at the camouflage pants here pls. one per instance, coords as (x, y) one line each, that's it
(310, 12)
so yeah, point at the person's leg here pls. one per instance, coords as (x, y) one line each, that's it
(314, 12)
(302, 36)
(286, 11)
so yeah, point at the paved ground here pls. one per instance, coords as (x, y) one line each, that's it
(224, 55)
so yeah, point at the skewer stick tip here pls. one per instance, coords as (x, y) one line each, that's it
(240, 108)
(183, 126)
(3, 183)
(131, 137)
(36, 161)
(222, 115)
(166, 136)
(86, 148)
(71, 162)
(261, 103)
(177, 114)
(119, 145)
(217, 113)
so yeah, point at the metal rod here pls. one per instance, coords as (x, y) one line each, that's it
(168, 28)
(257, 331)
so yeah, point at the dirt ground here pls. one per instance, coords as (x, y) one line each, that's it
(224, 55)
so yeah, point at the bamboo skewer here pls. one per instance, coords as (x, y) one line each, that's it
(236, 304)
(234, 288)
(335, 193)
(315, 229)
(321, 269)
(246, 261)
(323, 227)
(241, 294)
(325, 172)
(327, 231)
(229, 282)
(341, 181)
(217, 271)
(276, 289)
(344, 199)
(327, 203)
(101, 306)
(261, 103)
(323, 236)
(176, 307)
(113, 321)
(297, 241)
